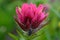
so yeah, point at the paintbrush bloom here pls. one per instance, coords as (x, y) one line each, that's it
(29, 16)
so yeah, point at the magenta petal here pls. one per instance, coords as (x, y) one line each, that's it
(18, 11)
(24, 7)
(27, 10)
(19, 14)
(42, 16)
(20, 24)
(29, 13)
(33, 6)
(27, 25)
(34, 23)
(21, 18)
(39, 9)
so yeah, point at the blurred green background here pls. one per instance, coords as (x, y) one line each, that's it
(7, 22)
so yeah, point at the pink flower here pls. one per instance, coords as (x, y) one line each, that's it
(29, 16)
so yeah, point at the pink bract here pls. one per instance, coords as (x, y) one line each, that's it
(30, 16)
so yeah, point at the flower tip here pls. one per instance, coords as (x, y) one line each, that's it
(47, 14)
(18, 10)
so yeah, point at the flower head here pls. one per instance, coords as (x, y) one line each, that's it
(29, 16)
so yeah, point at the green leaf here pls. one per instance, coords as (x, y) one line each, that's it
(22, 36)
(13, 36)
